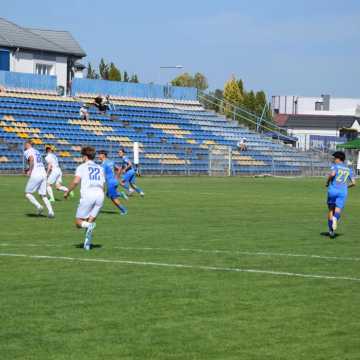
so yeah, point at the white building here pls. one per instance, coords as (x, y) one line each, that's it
(321, 105)
(36, 51)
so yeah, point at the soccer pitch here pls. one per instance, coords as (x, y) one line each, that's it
(201, 268)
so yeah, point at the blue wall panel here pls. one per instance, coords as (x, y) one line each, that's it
(4, 60)
(117, 88)
(27, 81)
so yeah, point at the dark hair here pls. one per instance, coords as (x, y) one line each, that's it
(88, 151)
(123, 150)
(339, 155)
(48, 148)
(103, 152)
(30, 142)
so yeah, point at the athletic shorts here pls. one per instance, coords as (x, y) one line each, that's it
(336, 199)
(36, 182)
(55, 177)
(129, 176)
(90, 205)
(112, 191)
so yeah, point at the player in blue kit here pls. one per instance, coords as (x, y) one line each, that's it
(110, 170)
(128, 174)
(340, 179)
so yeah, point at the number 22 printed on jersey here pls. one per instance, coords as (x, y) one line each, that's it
(94, 173)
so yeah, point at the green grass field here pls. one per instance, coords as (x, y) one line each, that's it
(130, 298)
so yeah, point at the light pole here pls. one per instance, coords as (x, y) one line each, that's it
(169, 68)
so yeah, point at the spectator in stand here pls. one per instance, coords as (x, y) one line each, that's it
(101, 104)
(84, 112)
(242, 144)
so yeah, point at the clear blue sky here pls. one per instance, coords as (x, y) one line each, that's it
(301, 47)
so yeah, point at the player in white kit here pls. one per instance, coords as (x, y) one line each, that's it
(54, 174)
(37, 179)
(92, 179)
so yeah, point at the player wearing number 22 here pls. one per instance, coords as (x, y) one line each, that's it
(339, 180)
(92, 180)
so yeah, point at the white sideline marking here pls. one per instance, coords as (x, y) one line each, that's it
(184, 266)
(205, 251)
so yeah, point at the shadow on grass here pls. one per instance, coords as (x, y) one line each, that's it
(108, 212)
(327, 234)
(93, 246)
(35, 215)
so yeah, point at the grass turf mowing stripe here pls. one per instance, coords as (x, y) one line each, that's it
(184, 266)
(205, 251)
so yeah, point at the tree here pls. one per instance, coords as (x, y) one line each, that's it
(241, 86)
(134, 79)
(232, 96)
(103, 69)
(249, 102)
(185, 80)
(114, 73)
(260, 102)
(126, 76)
(200, 81)
(90, 72)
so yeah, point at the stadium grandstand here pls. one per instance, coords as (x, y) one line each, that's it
(173, 131)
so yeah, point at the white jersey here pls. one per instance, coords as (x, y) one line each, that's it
(38, 167)
(92, 178)
(51, 159)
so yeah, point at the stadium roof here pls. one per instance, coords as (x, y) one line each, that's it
(61, 42)
(328, 122)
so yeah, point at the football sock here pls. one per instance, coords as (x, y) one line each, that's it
(337, 215)
(50, 192)
(138, 190)
(47, 204)
(126, 186)
(32, 199)
(330, 224)
(63, 188)
(85, 224)
(122, 208)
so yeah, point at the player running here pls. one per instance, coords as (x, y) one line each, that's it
(54, 174)
(37, 179)
(110, 170)
(128, 174)
(340, 179)
(92, 179)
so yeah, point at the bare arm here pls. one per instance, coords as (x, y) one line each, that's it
(72, 186)
(31, 165)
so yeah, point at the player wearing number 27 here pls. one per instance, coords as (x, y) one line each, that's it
(339, 180)
(92, 180)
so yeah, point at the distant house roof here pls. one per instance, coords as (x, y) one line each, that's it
(15, 36)
(326, 122)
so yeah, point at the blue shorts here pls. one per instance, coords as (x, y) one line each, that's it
(112, 191)
(336, 199)
(129, 176)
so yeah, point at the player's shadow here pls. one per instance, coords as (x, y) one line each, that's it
(109, 212)
(35, 215)
(326, 234)
(93, 246)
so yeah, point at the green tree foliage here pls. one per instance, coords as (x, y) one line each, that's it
(134, 78)
(90, 72)
(198, 81)
(126, 76)
(114, 73)
(104, 69)
(232, 96)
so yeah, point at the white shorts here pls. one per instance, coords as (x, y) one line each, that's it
(90, 205)
(55, 177)
(36, 182)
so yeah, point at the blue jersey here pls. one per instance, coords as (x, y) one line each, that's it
(109, 172)
(125, 162)
(340, 181)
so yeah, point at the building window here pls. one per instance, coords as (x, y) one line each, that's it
(43, 69)
(319, 106)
